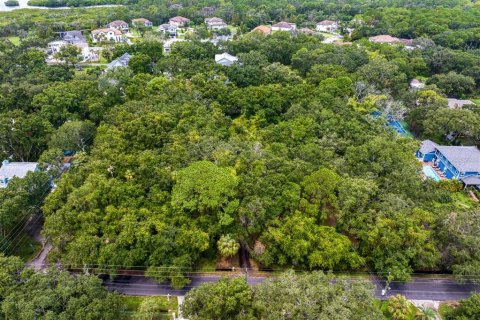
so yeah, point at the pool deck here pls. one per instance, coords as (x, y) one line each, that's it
(439, 173)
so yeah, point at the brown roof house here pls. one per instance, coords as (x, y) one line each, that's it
(119, 25)
(266, 30)
(107, 34)
(384, 38)
(179, 21)
(284, 26)
(327, 26)
(142, 21)
(215, 23)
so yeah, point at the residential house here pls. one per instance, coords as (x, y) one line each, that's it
(9, 170)
(167, 45)
(142, 22)
(307, 31)
(453, 162)
(73, 37)
(266, 30)
(284, 26)
(225, 59)
(169, 30)
(207, 11)
(215, 23)
(327, 26)
(458, 104)
(416, 84)
(120, 62)
(119, 25)
(107, 34)
(179, 21)
(55, 46)
(175, 6)
(385, 38)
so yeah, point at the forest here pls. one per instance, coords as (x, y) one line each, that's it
(281, 161)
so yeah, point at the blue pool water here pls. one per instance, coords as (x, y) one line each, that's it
(429, 172)
(398, 127)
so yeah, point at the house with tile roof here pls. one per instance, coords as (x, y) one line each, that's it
(266, 30)
(454, 162)
(142, 22)
(384, 38)
(119, 25)
(179, 21)
(107, 34)
(284, 26)
(215, 23)
(329, 26)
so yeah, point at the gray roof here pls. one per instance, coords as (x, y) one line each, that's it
(120, 62)
(428, 146)
(73, 36)
(15, 169)
(456, 103)
(473, 180)
(465, 159)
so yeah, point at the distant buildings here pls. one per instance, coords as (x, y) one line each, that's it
(73, 37)
(284, 26)
(215, 23)
(179, 21)
(107, 34)
(327, 26)
(225, 59)
(77, 39)
(142, 22)
(9, 170)
(120, 62)
(118, 25)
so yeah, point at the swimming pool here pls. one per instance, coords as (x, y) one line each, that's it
(430, 173)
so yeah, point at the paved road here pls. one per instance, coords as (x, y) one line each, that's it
(418, 289)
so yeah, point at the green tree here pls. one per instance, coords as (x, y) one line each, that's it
(468, 309)
(398, 307)
(314, 296)
(150, 308)
(227, 246)
(224, 300)
(68, 54)
(73, 135)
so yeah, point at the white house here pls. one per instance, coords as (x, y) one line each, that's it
(215, 23)
(119, 25)
(107, 34)
(8, 170)
(327, 26)
(179, 21)
(284, 26)
(55, 46)
(168, 29)
(225, 59)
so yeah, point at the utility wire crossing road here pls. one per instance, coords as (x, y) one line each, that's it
(417, 289)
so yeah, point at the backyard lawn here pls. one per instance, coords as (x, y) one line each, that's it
(132, 305)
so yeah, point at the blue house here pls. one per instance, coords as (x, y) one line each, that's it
(461, 163)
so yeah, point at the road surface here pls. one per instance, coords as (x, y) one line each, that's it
(417, 289)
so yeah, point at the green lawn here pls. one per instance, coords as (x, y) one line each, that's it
(132, 303)
(14, 40)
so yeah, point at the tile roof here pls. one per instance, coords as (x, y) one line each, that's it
(107, 30)
(117, 23)
(327, 23)
(263, 29)
(465, 159)
(472, 180)
(283, 25)
(179, 19)
(384, 38)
